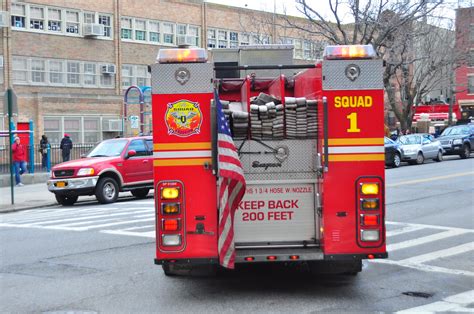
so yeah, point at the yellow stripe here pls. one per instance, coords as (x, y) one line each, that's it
(180, 162)
(356, 141)
(357, 157)
(182, 146)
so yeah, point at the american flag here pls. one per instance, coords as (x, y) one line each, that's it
(231, 187)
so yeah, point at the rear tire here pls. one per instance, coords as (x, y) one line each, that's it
(396, 160)
(140, 193)
(106, 190)
(420, 159)
(466, 151)
(439, 158)
(66, 200)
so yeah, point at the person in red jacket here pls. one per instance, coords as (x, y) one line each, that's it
(19, 160)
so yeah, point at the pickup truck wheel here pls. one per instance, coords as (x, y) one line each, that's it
(420, 159)
(439, 158)
(140, 193)
(66, 200)
(106, 190)
(466, 151)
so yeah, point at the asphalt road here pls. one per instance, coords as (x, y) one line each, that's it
(99, 258)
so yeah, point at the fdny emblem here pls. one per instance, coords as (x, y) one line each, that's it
(183, 118)
(182, 75)
(352, 72)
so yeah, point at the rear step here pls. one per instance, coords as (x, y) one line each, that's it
(278, 255)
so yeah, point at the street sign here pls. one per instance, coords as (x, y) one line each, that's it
(14, 104)
(134, 122)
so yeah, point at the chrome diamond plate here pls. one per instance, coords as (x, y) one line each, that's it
(370, 76)
(164, 81)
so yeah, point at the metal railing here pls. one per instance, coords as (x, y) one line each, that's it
(54, 155)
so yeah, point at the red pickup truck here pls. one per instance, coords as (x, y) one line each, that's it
(113, 166)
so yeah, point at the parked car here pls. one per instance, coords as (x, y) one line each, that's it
(416, 148)
(112, 166)
(393, 154)
(458, 140)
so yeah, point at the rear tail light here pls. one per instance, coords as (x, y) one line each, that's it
(369, 203)
(171, 239)
(170, 208)
(171, 224)
(272, 258)
(249, 259)
(169, 193)
(369, 220)
(370, 235)
(369, 188)
(294, 257)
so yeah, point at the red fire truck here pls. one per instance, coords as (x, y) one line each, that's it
(313, 160)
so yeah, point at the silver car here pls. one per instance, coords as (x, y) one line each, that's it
(418, 147)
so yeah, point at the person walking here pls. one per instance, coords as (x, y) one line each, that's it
(66, 146)
(19, 160)
(44, 144)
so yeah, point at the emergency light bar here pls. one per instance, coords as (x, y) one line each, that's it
(349, 52)
(182, 55)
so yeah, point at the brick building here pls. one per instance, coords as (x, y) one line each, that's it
(465, 73)
(69, 62)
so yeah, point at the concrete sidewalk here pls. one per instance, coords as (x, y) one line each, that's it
(26, 197)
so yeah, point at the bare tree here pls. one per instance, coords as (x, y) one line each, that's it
(418, 56)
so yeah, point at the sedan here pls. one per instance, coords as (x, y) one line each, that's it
(418, 147)
(393, 154)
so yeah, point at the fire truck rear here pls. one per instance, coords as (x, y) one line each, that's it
(311, 146)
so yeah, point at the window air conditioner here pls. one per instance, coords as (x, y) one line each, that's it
(4, 19)
(108, 69)
(115, 125)
(93, 30)
(186, 40)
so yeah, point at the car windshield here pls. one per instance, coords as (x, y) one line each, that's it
(108, 148)
(455, 131)
(409, 139)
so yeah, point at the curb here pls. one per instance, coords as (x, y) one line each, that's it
(11, 210)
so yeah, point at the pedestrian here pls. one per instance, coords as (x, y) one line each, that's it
(19, 160)
(66, 146)
(44, 144)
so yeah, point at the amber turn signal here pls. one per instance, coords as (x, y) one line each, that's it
(170, 208)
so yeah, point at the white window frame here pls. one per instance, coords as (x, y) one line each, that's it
(55, 72)
(211, 38)
(154, 30)
(20, 15)
(129, 27)
(58, 22)
(135, 74)
(75, 24)
(140, 28)
(40, 20)
(172, 33)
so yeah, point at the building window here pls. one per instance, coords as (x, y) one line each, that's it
(126, 28)
(56, 73)
(127, 75)
(193, 35)
(307, 53)
(211, 38)
(90, 73)
(471, 33)
(244, 39)
(18, 15)
(107, 80)
(168, 33)
(38, 71)
(89, 17)
(140, 30)
(222, 39)
(234, 39)
(106, 21)
(154, 31)
(470, 84)
(36, 18)
(142, 75)
(73, 73)
(72, 126)
(470, 62)
(298, 53)
(54, 20)
(91, 129)
(53, 129)
(72, 22)
(20, 70)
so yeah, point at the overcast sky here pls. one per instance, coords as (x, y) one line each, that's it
(322, 5)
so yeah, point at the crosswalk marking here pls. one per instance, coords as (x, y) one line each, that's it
(423, 240)
(402, 230)
(463, 248)
(456, 303)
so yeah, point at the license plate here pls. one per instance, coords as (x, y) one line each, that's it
(60, 184)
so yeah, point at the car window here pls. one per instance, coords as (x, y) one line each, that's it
(108, 148)
(456, 131)
(149, 144)
(139, 147)
(410, 139)
(387, 141)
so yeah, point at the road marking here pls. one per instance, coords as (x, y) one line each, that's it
(395, 223)
(403, 230)
(455, 303)
(424, 267)
(423, 240)
(115, 224)
(463, 248)
(150, 234)
(454, 175)
(139, 227)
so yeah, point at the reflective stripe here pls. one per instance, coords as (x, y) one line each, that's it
(181, 162)
(183, 154)
(356, 149)
(181, 146)
(356, 141)
(357, 157)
